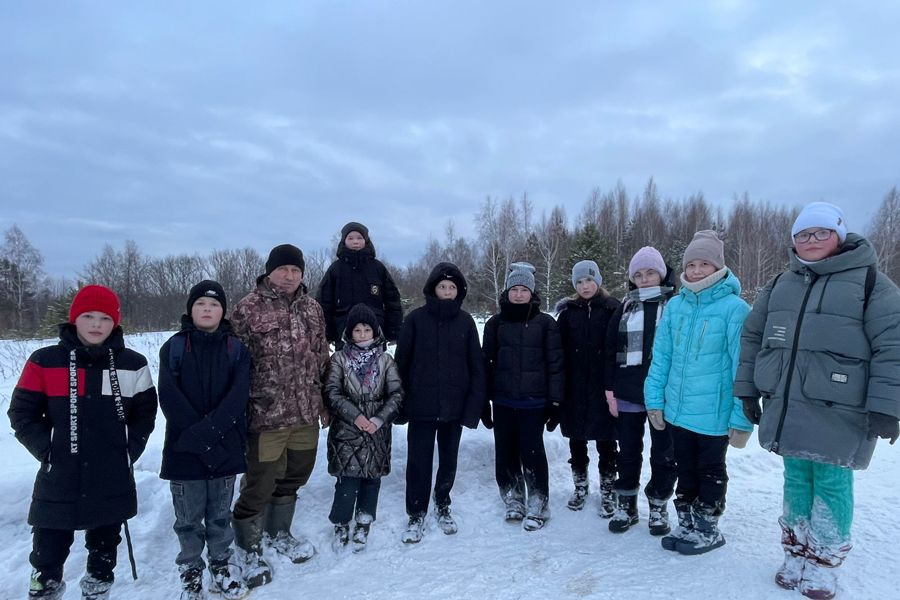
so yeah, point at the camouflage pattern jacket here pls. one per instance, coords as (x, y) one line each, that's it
(286, 338)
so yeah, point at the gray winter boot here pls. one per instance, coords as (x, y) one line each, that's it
(579, 496)
(45, 589)
(607, 496)
(819, 579)
(626, 513)
(94, 589)
(793, 540)
(707, 536)
(279, 516)
(685, 529)
(659, 516)
(361, 532)
(248, 539)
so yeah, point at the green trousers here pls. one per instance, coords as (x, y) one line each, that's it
(819, 496)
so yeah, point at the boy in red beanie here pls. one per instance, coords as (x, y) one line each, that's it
(84, 408)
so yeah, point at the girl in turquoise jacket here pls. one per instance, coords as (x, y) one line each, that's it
(689, 386)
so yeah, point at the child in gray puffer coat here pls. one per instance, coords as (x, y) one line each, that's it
(364, 395)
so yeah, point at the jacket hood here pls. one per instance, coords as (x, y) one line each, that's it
(446, 270)
(345, 253)
(855, 252)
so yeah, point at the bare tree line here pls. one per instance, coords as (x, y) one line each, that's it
(611, 226)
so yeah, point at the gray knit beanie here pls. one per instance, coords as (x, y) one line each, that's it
(520, 273)
(586, 269)
(707, 246)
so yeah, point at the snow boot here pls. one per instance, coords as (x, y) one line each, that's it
(341, 537)
(533, 522)
(279, 516)
(659, 517)
(607, 496)
(819, 580)
(626, 513)
(49, 589)
(579, 496)
(191, 582)
(537, 513)
(685, 529)
(226, 579)
(94, 589)
(361, 532)
(415, 529)
(248, 538)
(445, 520)
(793, 540)
(707, 536)
(515, 507)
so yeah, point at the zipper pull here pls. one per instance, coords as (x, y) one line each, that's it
(806, 277)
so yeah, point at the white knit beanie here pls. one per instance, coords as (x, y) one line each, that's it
(821, 214)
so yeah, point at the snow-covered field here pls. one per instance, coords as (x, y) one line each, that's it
(575, 556)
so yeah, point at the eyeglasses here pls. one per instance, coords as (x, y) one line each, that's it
(805, 236)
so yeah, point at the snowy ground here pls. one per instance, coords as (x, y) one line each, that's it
(575, 556)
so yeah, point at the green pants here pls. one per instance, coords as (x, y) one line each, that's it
(819, 496)
(278, 463)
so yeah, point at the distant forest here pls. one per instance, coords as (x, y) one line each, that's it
(611, 226)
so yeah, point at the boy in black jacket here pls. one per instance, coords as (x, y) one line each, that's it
(524, 364)
(84, 408)
(442, 369)
(358, 277)
(204, 386)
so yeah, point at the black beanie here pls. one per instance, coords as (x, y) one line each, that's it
(354, 226)
(206, 289)
(285, 254)
(360, 313)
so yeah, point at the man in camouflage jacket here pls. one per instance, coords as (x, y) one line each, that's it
(284, 328)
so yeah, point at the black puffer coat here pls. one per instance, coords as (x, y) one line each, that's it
(351, 451)
(86, 444)
(627, 382)
(523, 355)
(439, 357)
(205, 403)
(358, 277)
(582, 327)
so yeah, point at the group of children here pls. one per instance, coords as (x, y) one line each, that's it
(820, 347)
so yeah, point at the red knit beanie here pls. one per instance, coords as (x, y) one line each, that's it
(95, 297)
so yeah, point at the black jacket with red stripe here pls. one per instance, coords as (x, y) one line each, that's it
(86, 444)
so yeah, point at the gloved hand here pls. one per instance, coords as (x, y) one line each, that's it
(752, 409)
(738, 437)
(552, 414)
(883, 426)
(612, 403)
(486, 419)
(656, 419)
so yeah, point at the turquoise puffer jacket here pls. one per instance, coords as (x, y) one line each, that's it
(695, 357)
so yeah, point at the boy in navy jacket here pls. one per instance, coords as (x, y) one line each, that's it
(204, 386)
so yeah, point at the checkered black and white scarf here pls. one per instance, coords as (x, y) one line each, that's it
(631, 326)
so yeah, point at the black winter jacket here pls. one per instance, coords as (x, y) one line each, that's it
(86, 444)
(627, 382)
(205, 404)
(358, 277)
(523, 355)
(582, 328)
(439, 357)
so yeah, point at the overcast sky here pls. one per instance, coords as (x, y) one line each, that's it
(189, 126)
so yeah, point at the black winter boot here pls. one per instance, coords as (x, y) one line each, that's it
(94, 589)
(685, 529)
(607, 496)
(579, 496)
(626, 514)
(279, 516)
(707, 536)
(46, 589)
(659, 517)
(248, 538)
(191, 582)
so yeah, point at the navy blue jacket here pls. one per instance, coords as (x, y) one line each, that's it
(205, 404)
(439, 357)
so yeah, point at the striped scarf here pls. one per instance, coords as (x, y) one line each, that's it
(631, 326)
